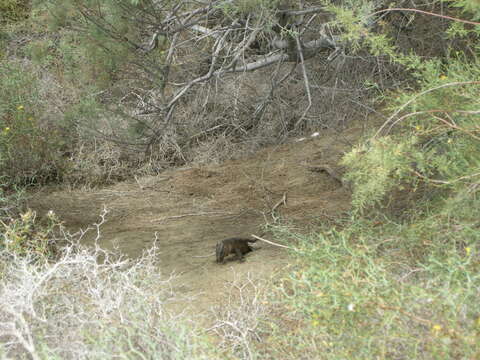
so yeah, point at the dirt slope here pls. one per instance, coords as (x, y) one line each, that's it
(191, 209)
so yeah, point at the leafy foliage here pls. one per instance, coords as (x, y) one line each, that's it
(367, 292)
(100, 26)
(24, 237)
(470, 7)
(13, 10)
(30, 152)
(437, 140)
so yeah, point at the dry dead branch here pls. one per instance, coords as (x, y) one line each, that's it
(237, 320)
(283, 201)
(273, 243)
(211, 213)
(225, 40)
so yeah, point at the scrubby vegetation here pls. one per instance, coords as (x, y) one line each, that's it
(392, 291)
(96, 92)
(90, 304)
(400, 278)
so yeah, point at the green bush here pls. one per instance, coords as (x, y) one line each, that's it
(23, 236)
(360, 293)
(434, 138)
(93, 53)
(386, 285)
(30, 149)
(14, 10)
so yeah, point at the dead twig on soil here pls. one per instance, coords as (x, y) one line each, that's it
(216, 213)
(237, 322)
(138, 183)
(283, 201)
(272, 243)
(204, 256)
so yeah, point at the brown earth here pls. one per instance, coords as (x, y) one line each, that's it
(191, 209)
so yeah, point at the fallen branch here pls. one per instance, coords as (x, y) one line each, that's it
(312, 48)
(272, 243)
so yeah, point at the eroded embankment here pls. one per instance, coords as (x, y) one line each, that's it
(189, 210)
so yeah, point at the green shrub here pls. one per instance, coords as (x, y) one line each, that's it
(14, 10)
(23, 236)
(96, 52)
(30, 149)
(361, 293)
(434, 138)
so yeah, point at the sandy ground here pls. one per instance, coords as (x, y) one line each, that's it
(191, 209)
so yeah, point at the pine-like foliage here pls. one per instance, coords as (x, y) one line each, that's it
(434, 138)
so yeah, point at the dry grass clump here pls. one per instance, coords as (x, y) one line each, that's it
(98, 163)
(238, 322)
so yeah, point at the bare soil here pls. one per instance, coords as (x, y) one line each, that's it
(191, 209)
